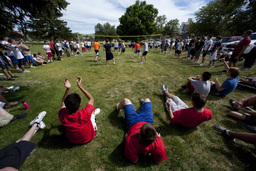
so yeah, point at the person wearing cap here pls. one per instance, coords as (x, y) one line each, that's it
(142, 137)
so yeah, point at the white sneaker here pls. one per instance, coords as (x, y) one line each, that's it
(41, 125)
(96, 111)
(32, 66)
(39, 118)
(15, 89)
(164, 89)
(211, 66)
(9, 88)
(26, 71)
(140, 62)
(201, 64)
(117, 107)
(18, 69)
(195, 61)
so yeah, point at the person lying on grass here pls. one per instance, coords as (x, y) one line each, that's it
(142, 137)
(80, 124)
(229, 84)
(180, 113)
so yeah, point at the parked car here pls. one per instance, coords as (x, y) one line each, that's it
(226, 40)
(232, 45)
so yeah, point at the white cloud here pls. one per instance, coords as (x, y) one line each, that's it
(83, 15)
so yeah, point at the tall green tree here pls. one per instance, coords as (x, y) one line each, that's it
(171, 28)
(105, 29)
(19, 13)
(217, 17)
(160, 22)
(139, 19)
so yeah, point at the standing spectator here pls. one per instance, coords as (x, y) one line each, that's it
(214, 52)
(198, 49)
(190, 45)
(250, 58)
(66, 48)
(240, 48)
(58, 50)
(18, 54)
(48, 51)
(207, 47)
(51, 44)
(27, 53)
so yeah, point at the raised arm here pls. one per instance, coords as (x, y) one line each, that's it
(87, 94)
(225, 64)
(68, 86)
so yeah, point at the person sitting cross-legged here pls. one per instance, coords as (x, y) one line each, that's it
(180, 113)
(80, 124)
(142, 137)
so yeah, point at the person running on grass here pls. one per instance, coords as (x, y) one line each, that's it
(142, 137)
(137, 50)
(145, 51)
(96, 46)
(109, 54)
(80, 124)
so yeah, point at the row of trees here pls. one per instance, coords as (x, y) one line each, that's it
(225, 17)
(38, 19)
(139, 19)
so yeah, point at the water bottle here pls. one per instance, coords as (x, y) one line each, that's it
(25, 105)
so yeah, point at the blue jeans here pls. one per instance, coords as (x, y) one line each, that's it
(29, 57)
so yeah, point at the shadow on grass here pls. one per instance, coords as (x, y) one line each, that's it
(117, 157)
(55, 141)
(117, 121)
(212, 97)
(237, 152)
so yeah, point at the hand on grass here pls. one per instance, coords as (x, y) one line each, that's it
(66, 83)
(79, 81)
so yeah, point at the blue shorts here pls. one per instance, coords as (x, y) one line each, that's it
(131, 116)
(137, 51)
(14, 59)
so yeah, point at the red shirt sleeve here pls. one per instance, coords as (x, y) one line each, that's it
(160, 154)
(130, 151)
(179, 116)
(87, 112)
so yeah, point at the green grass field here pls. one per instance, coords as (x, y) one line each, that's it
(201, 148)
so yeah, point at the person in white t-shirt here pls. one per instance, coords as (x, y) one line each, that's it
(207, 47)
(200, 85)
(18, 54)
(116, 46)
(83, 46)
(145, 51)
(179, 48)
(59, 49)
(48, 51)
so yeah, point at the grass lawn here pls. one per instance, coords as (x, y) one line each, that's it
(201, 148)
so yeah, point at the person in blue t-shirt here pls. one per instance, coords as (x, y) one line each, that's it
(229, 84)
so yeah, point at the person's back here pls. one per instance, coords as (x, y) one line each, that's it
(190, 117)
(203, 85)
(78, 125)
(107, 47)
(137, 46)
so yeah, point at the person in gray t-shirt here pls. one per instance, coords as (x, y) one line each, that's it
(145, 51)
(201, 85)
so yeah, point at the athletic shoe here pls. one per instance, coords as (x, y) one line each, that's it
(41, 125)
(18, 69)
(142, 101)
(201, 64)
(223, 131)
(10, 79)
(141, 62)
(117, 107)
(211, 66)
(9, 88)
(195, 61)
(132, 58)
(164, 89)
(32, 66)
(26, 71)
(232, 104)
(247, 68)
(96, 111)
(15, 89)
(39, 118)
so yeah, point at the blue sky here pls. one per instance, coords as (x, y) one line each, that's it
(83, 15)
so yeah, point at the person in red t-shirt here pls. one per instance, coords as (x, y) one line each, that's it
(142, 137)
(180, 113)
(80, 125)
(137, 50)
(240, 48)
